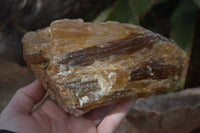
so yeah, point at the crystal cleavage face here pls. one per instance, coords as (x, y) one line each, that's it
(84, 65)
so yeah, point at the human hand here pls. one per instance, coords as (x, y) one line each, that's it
(19, 115)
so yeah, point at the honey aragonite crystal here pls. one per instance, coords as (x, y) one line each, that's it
(84, 65)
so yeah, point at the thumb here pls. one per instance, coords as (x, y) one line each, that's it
(111, 122)
(25, 98)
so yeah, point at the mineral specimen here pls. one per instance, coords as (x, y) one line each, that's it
(85, 65)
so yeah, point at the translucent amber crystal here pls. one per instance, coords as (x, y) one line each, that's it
(85, 65)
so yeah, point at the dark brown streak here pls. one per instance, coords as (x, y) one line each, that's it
(158, 71)
(124, 46)
(36, 58)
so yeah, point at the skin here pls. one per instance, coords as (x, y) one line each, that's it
(20, 115)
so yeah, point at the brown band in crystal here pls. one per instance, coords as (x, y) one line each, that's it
(153, 71)
(124, 46)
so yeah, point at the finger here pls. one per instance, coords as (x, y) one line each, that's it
(97, 115)
(51, 109)
(49, 113)
(64, 121)
(110, 123)
(25, 98)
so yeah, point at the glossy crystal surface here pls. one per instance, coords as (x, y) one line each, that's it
(84, 65)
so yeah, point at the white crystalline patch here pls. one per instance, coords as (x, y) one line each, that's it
(106, 80)
(151, 74)
(89, 29)
(149, 68)
(113, 77)
(83, 100)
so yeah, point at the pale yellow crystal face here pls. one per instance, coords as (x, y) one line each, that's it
(85, 65)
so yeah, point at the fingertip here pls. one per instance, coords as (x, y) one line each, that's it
(110, 123)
